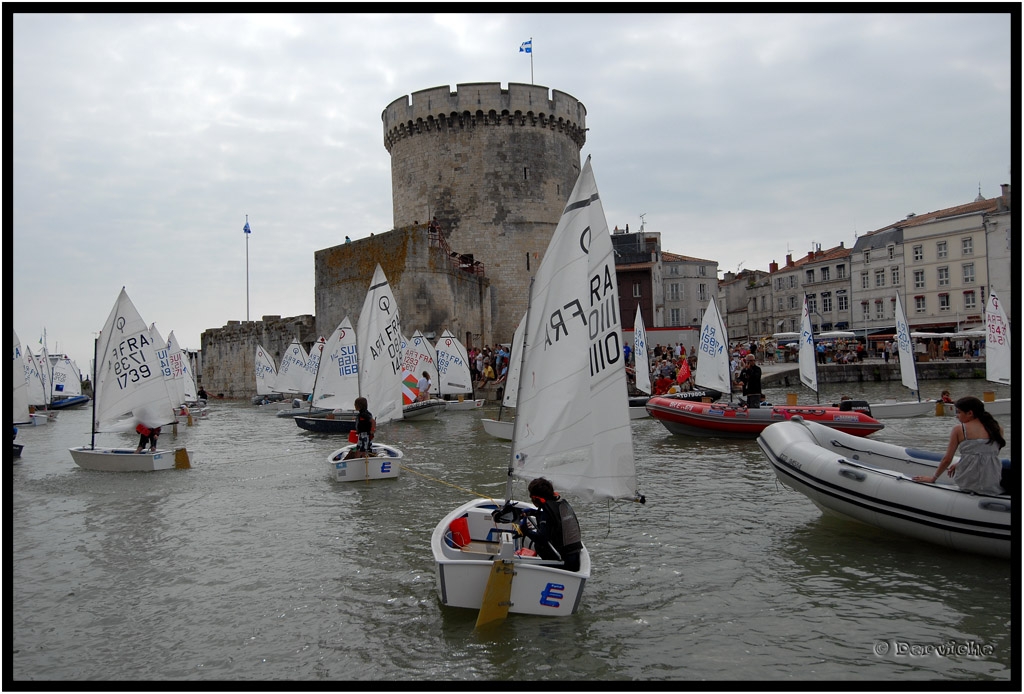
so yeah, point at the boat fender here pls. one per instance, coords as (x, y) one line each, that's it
(853, 475)
(460, 531)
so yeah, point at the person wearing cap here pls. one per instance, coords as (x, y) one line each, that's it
(750, 377)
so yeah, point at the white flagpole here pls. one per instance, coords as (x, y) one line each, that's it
(246, 268)
(531, 60)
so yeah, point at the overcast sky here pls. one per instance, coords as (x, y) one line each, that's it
(141, 141)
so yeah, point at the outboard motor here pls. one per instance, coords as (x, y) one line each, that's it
(856, 406)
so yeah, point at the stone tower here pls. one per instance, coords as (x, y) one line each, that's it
(495, 166)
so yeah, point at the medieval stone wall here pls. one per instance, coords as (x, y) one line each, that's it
(229, 353)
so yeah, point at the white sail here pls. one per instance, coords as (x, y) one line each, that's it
(998, 358)
(163, 354)
(184, 379)
(808, 358)
(312, 365)
(712, 370)
(380, 355)
(291, 375)
(453, 373)
(129, 382)
(908, 370)
(515, 362)
(337, 380)
(37, 392)
(640, 359)
(572, 420)
(419, 356)
(266, 372)
(66, 379)
(19, 404)
(46, 373)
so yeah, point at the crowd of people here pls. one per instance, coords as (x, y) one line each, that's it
(489, 364)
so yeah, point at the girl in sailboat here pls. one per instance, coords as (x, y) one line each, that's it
(978, 438)
(366, 427)
(555, 530)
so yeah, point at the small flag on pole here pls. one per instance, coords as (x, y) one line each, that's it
(526, 47)
(246, 228)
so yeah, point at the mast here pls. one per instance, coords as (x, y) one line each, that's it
(519, 392)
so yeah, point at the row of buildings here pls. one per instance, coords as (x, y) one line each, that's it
(943, 264)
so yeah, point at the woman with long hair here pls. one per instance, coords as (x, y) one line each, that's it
(978, 438)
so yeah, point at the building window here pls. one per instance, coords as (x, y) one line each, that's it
(896, 276)
(673, 316)
(810, 277)
(919, 304)
(764, 303)
(673, 291)
(918, 253)
(940, 250)
(826, 304)
(968, 273)
(970, 302)
(943, 276)
(918, 279)
(879, 278)
(892, 251)
(864, 284)
(702, 291)
(865, 310)
(867, 257)
(636, 290)
(792, 281)
(812, 304)
(943, 302)
(792, 302)
(824, 274)
(967, 246)
(703, 271)
(843, 303)
(840, 272)
(781, 303)
(879, 309)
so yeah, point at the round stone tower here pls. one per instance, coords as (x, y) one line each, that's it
(495, 167)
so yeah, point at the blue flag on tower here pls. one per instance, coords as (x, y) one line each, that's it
(526, 47)
(246, 228)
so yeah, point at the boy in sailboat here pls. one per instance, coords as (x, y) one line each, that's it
(555, 530)
(366, 427)
(147, 435)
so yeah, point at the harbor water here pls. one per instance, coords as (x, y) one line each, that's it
(255, 566)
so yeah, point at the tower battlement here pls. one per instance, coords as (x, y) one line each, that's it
(484, 104)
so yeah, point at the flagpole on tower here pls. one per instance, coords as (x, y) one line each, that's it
(247, 231)
(527, 47)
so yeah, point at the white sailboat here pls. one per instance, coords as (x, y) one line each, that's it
(419, 356)
(892, 408)
(642, 368)
(713, 370)
(502, 428)
(380, 362)
(19, 393)
(265, 371)
(291, 374)
(337, 384)
(807, 356)
(572, 426)
(66, 383)
(37, 390)
(454, 378)
(128, 390)
(998, 356)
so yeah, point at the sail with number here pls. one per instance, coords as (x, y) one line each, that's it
(808, 357)
(998, 357)
(380, 354)
(908, 370)
(291, 375)
(642, 364)
(453, 374)
(712, 370)
(19, 404)
(266, 372)
(337, 379)
(572, 421)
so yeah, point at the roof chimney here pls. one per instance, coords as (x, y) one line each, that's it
(773, 266)
(789, 259)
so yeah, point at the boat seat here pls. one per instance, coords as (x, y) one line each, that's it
(478, 547)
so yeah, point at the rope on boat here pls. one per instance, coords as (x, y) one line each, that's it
(448, 484)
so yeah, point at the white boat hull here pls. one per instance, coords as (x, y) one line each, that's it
(892, 409)
(498, 428)
(464, 404)
(424, 409)
(997, 408)
(871, 482)
(538, 587)
(384, 464)
(127, 460)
